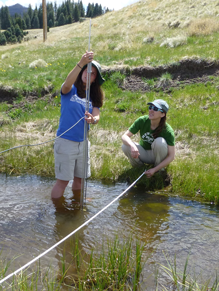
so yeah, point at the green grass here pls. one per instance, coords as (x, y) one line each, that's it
(117, 266)
(198, 129)
(183, 280)
(193, 108)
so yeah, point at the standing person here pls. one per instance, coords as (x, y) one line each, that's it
(157, 141)
(68, 149)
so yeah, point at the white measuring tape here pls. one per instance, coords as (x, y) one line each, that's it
(65, 238)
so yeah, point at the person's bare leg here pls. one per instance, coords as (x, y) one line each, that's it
(76, 189)
(57, 195)
(58, 189)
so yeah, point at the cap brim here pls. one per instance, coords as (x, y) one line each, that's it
(100, 79)
(155, 104)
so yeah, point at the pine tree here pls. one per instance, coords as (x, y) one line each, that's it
(35, 22)
(81, 9)
(76, 14)
(50, 15)
(17, 19)
(100, 10)
(6, 21)
(30, 12)
(18, 31)
(61, 20)
(3, 40)
(23, 24)
(40, 16)
(8, 34)
(27, 21)
(89, 11)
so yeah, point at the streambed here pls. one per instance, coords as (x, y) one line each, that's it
(29, 224)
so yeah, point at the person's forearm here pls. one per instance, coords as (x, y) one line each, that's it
(71, 78)
(164, 163)
(127, 140)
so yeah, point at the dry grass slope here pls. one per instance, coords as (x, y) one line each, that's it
(144, 17)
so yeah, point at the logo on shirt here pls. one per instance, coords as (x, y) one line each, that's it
(147, 137)
(81, 101)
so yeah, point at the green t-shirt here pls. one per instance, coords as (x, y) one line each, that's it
(143, 124)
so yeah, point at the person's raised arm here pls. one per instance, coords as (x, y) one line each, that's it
(72, 76)
(126, 139)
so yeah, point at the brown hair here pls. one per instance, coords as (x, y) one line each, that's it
(96, 92)
(160, 127)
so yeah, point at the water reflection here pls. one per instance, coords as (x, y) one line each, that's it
(144, 213)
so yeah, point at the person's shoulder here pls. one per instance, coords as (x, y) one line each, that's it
(169, 128)
(143, 118)
(71, 92)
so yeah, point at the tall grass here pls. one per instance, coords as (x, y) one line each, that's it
(183, 280)
(117, 268)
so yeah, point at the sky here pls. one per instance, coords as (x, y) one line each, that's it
(111, 4)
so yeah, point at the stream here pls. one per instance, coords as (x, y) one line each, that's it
(168, 225)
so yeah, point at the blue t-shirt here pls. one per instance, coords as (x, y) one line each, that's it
(72, 110)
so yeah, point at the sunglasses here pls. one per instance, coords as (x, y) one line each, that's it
(152, 107)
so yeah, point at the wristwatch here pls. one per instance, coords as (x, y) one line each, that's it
(95, 120)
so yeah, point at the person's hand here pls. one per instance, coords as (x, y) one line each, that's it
(86, 58)
(134, 152)
(149, 173)
(89, 117)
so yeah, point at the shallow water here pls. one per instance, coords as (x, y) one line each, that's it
(29, 225)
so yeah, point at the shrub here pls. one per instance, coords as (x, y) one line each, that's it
(117, 78)
(18, 31)
(203, 27)
(12, 39)
(7, 34)
(38, 63)
(15, 113)
(19, 39)
(164, 81)
(174, 41)
(3, 40)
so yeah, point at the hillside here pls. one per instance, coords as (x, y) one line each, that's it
(146, 30)
(143, 19)
(17, 8)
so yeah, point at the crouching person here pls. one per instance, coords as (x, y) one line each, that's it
(157, 141)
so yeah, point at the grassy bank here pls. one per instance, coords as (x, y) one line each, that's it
(193, 106)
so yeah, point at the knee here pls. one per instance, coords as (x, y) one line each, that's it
(159, 143)
(125, 149)
(62, 184)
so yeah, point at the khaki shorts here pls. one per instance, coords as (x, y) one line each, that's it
(69, 159)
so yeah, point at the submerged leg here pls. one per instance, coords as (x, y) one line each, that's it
(76, 189)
